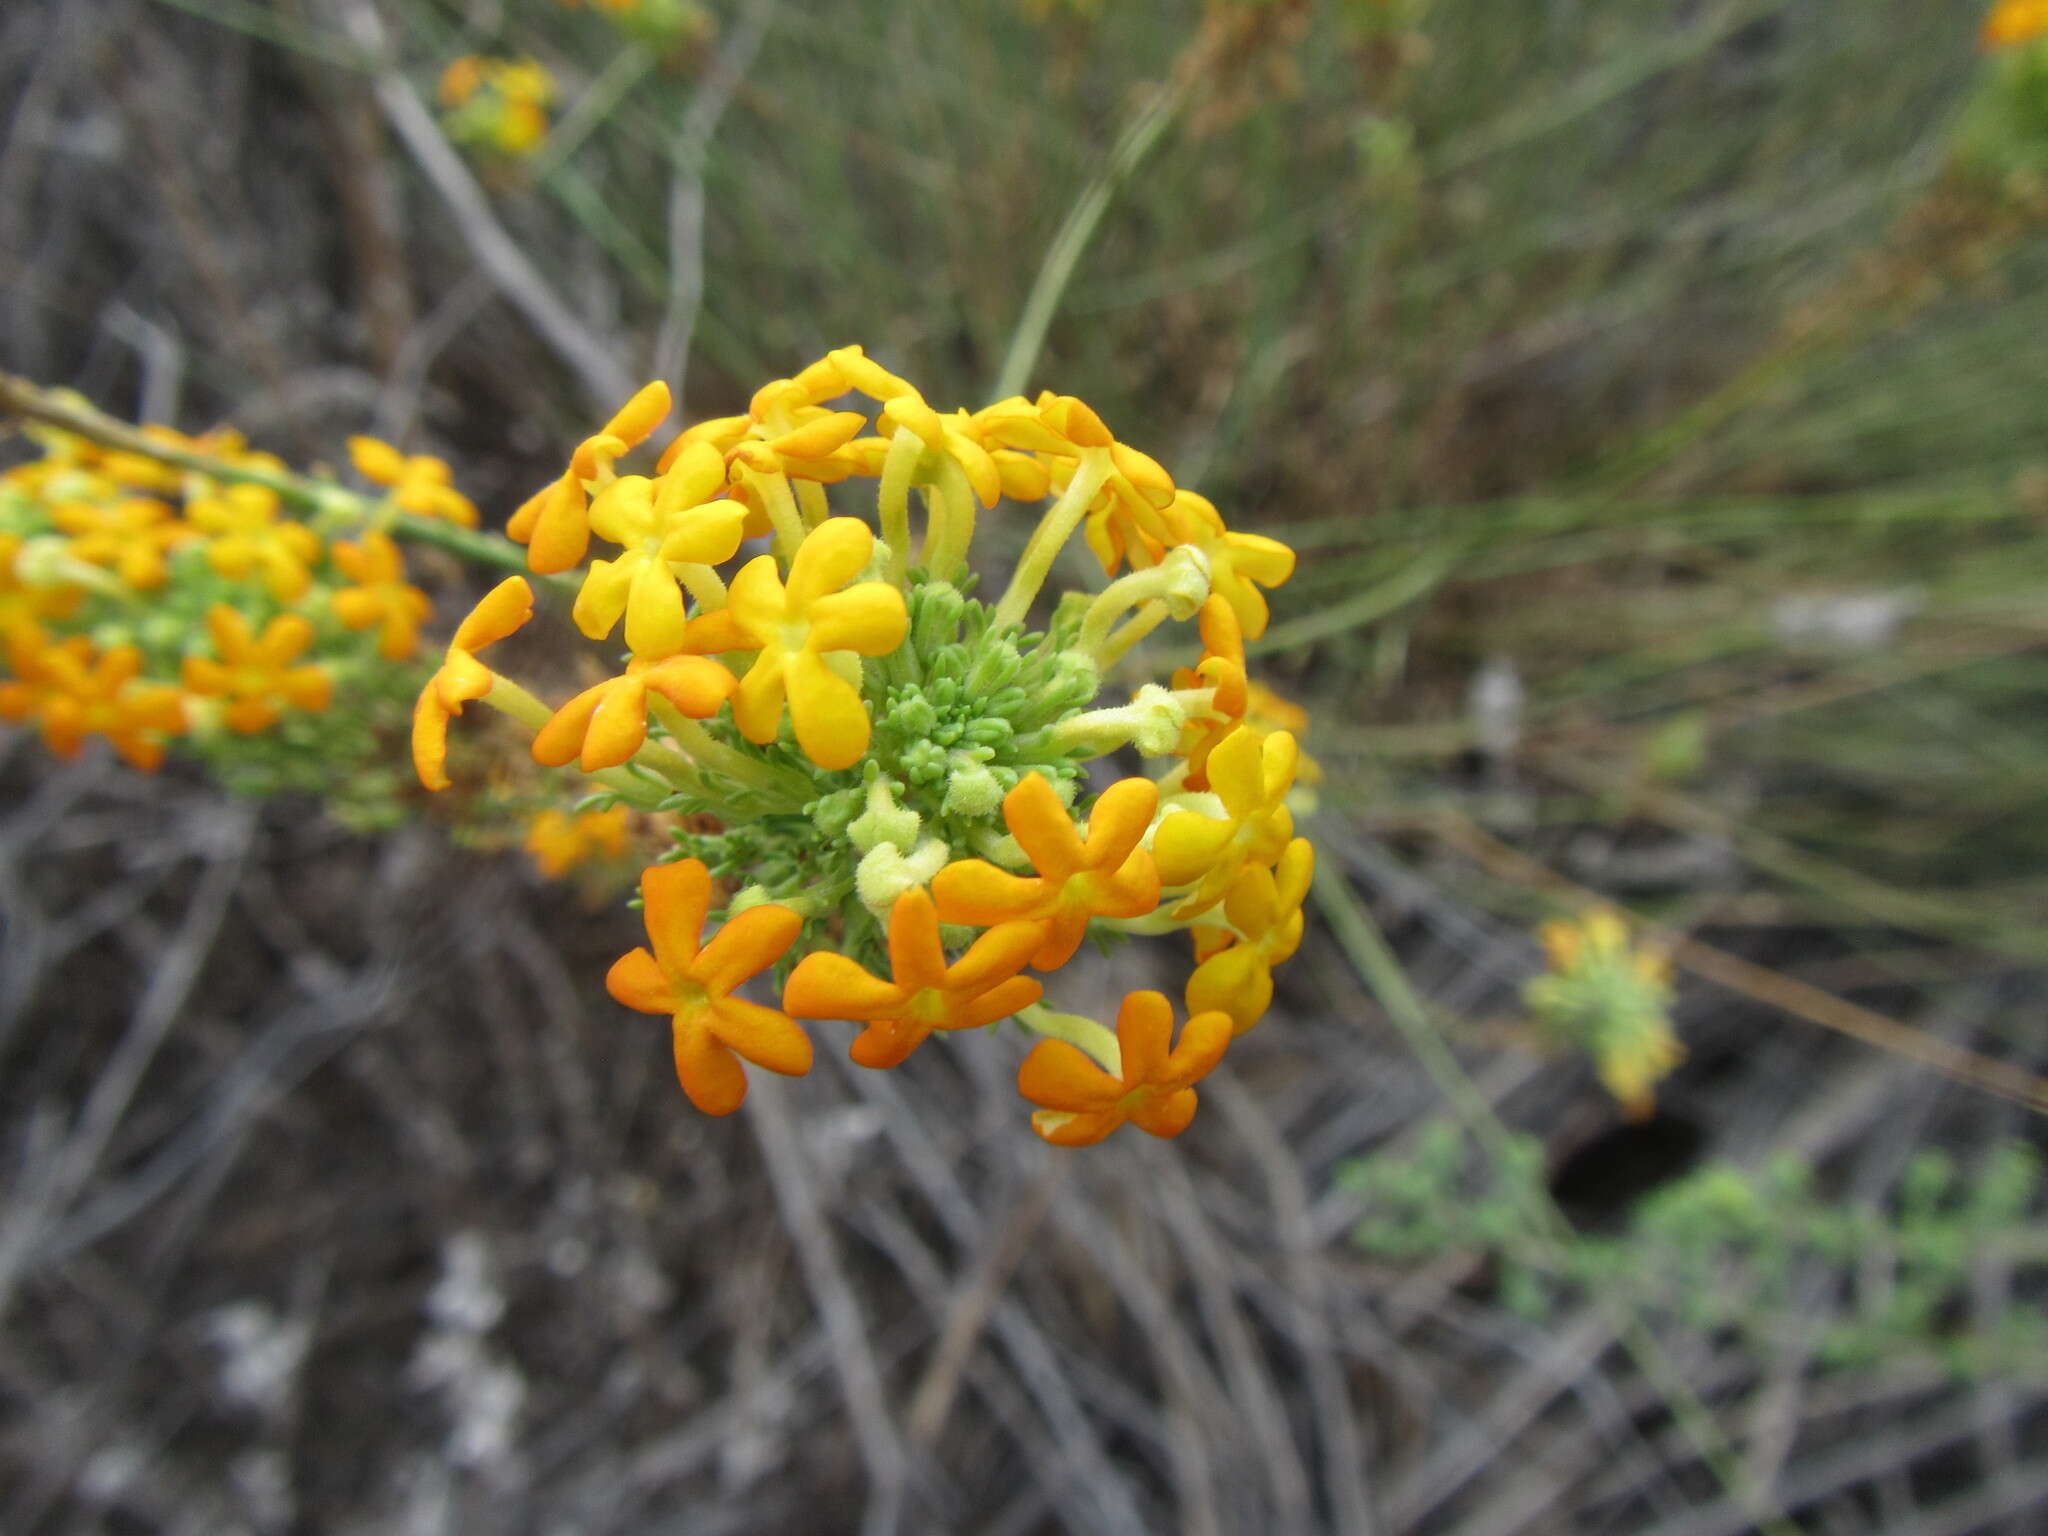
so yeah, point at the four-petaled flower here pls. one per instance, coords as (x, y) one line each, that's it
(129, 537)
(796, 630)
(75, 694)
(462, 677)
(1108, 875)
(419, 483)
(559, 841)
(381, 595)
(605, 724)
(1235, 970)
(254, 674)
(1251, 773)
(712, 1029)
(661, 523)
(244, 537)
(554, 522)
(1153, 1087)
(925, 993)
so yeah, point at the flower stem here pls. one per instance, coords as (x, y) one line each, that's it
(1096, 1040)
(892, 499)
(1050, 537)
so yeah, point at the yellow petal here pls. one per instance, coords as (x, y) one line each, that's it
(869, 618)
(830, 719)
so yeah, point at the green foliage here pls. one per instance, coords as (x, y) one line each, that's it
(1757, 1254)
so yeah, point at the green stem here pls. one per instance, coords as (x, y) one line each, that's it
(892, 499)
(950, 531)
(704, 750)
(1137, 140)
(1095, 1040)
(1050, 537)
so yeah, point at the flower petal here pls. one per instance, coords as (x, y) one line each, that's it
(1144, 1030)
(825, 985)
(676, 898)
(746, 946)
(1039, 820)
(557, 743)
(869, 618)
(757, 702)
(1057, 1075)
(1168, 1115)
(916, 957)
(654, 611)
(828, 559)
(975, 891)
(831, 721)
(1118, 819)
(603, 596)
(635, 979)
(504, 609)
(710, 1074)
(765, 1036)
(696, 685)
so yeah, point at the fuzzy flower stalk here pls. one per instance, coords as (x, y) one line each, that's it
(884, 792)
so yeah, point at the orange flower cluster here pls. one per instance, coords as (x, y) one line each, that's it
(142, 602)
(893, 770)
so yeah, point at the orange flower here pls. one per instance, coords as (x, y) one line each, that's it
(1252, 773)
(554, 523)
(1153, 1086)
(381, 595)
(256, 675)
(462, 677)
(1221, 668)
(925, 993)
(559, 842)
(75, 695)
(1109, 875)
(604, 725)
(712, 1030)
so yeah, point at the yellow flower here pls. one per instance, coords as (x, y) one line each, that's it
(1222, 668)
(800, 633)
(462, 677)
(1235, 974)
(255, 675)
(554, 522)
(786, 430)
(1153, 1087)
(420, 483)
(604, 725)
(1239, 563)
(1610, 1000)
(245, 537)
(660, 523)
(380, 595)
(1251, 773)
(2014, 21)
(1108, 875)
(559, 842)
(711, 1029)
(75, 694)
(128, 537)
(925, 993)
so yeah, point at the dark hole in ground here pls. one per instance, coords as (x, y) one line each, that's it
(1600, 1183)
